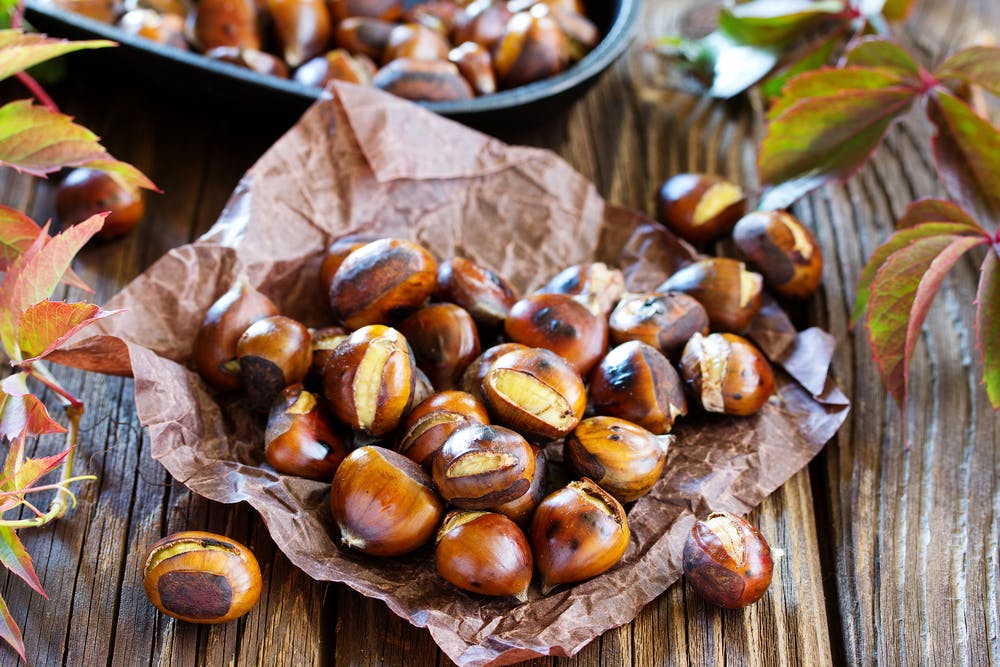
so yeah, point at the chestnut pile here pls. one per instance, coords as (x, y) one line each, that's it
(429, 404)
(434, 50)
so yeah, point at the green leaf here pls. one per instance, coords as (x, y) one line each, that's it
(15, 558)
(901, 295)
(812, 56)
(898, 241)
(775, 22)
(930, 209)
(19, 50)
(9, 631)
(883, 54)
(833, 82)
(17, 233)
(897, 10)
(977, 65)
(48, 324)
(967, 151)
(23, 413)
(988, 324)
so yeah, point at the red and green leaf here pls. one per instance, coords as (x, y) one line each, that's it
(977, 65)
(901, 295)
(17, 233)
(831, 82)
(811, 56)
(30, 471)
(21, 412)
(775, 22)
(967, 151)
(883, 54)
(48, 324)
(988, 324)
(930, 209)
(19, 50)
(9, 631)
(15, 558)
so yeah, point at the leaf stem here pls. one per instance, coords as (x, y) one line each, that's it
(37, 90)
(40, 372)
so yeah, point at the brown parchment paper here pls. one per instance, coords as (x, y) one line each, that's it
(367, 162)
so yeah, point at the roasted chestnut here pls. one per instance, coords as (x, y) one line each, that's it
(214, 351)
(726, 373)
(273, 353)
(338, 251)
(476, 65)
(362, 35)
(251, 59)
(382, 281)
(444, 341)
(727, 561)
(301, 28)
(532, 47)
(439, 15)
(594, 285)
(520, 509)
(482, 22)
(152, 25)
(427, 80)
(483, 293)
(300, 439)
(700, 207)
(104, 11)
(562, 324)
(387, 10)
(324, 342)
(665, 321)
(485, 553)
(413, 40)
(623, 458)
(215, 23)
(86, 192)
(577, 533)
(783, 250)
(475, 373)
(482, 466)
(581, 33)
(432, 421)
(369, 380)
(383, 503)
(201, 577)
(535, 391)
(636, 382)
(730, 294)
(336, 65)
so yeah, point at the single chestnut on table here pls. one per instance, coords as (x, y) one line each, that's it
(201, 577)
(727, 373)
(482, 466)
(729, 292)
(444, 340)
(432, 421)
(486, 295)
(700, 207)
(86, 192)
(595, 285)
(273, 353)
(663, 320)
(485, 553)
(560, 323)
(301, 439)
(727, 561)
(783, 250)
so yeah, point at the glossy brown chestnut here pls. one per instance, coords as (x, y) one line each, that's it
(432, 421)
(783, 250)
(178, 7)
(665, 321)
(152, 25)
(594, 285)
(482, 466)
(86, 192)
(482, 22)
(729, 292)
(581, 33)
(336, 65)
(365, 36)
(201, 577)
(383, 503)
(726, 373)
(535, 391)
(636, 382)
(476, 65)
(251, 59)
(700, 207)
(427, 80)
(302, 28)
(422, 387)
(727, 561)
(273, 353)
(300, 438)
(105, 11)
(623, 458)
(520, 509)
(532, 47)
(369, 380)
(214, 352)
(213, 23)
(444, 341)
(577, 533)
(387, 10)
(416, 41)
(560, 323)
(485, 553)
(439, 15)
(338, 251)
(483, 293)
(382, 281)
(324, 342)
(475, 373)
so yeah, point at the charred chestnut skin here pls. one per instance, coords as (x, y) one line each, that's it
(475, 373)
(214, 351)
(361, 35)
(215, 23)
(664, 320)
(729, 292)
(595, 285)
(482, 466)
(273, 353)
(783, 250)
(578, 532)
(727, 561)
(483, 293)
(444, 341)
(427, 80)
(335, 255)
(382, 281)
(429, 425)
(201, 577)
(727, 373)
(560, 323)
(532, 47)
(700, 207)
(86, 192)
(383, 503)
(637, 383)
(300, 438)
(484, 553)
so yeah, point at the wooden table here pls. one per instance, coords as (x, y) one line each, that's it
(890, 555)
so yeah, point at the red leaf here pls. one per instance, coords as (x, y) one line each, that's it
(936, 210)
(22, 411)
(16, 559)
(901, 295)
(977, 65)
(967, 150)
(883, 54)
(19, 51)
(48, 324)
(988, 325)
(17, 233)
(9, 631)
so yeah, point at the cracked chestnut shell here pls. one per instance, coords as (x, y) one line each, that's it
(273, 353)
(560, 323)
(337, 252)
(483, 293)
(665, 321)
(383, 503)
(381, 281)
(623, 458)
(475, 373)
(577, 533)
(444, 341)
(700, 207)
(727, 561)
(485, 553)
(482, 466)
(300, 438)
(783, 250)
(636, 382)
(428, 425)
(595, 285)
(727, 373)
(324, 342)
(201, 577)
(520, 509)
(214, 351)
(729, 292)
(369, 381)
(86, 192)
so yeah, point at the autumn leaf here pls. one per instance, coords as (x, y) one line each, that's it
(48, 324)
(874, 52)
(831, 82)
(16, 559)
(17, 233)
(811, 56)
(977, 65)
(930, 209)
(9, 631)
(21, 412)
(775, 22)
(19, 50)
(988, 324)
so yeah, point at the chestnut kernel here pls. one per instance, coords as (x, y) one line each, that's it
(595, 285)
(475, 373)
(727, 561)
(324, 342)
(201, 577)
(783, 250)
(700, 207)
(577, 533)
(637, 383)
(484, 294)
(729, 292)
(383, 503)
(300, 439)
(481, 466)
(444, 341)
(432, 421)
(485, 553)
(273, 353)
(520, 509)
(560, 323)
(86, 192)
(623, 458)
(665, 321)
(726, 373)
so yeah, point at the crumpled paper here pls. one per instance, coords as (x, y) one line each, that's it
(367, 162)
